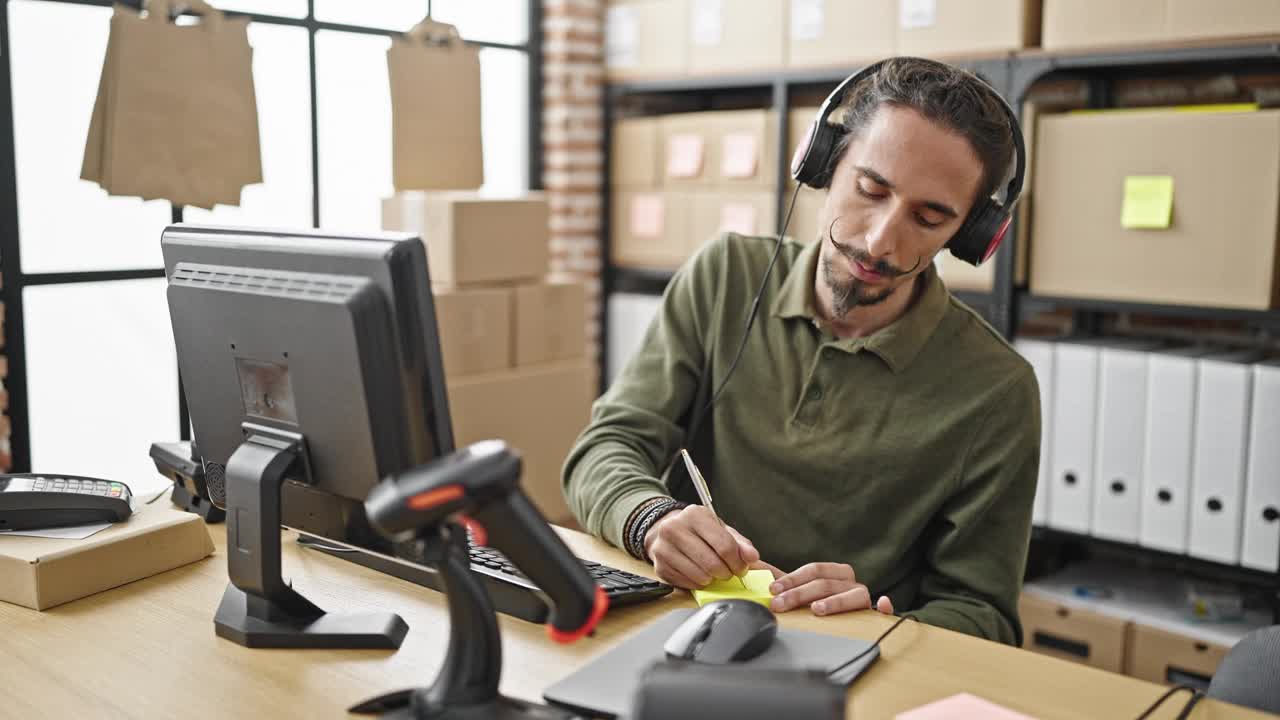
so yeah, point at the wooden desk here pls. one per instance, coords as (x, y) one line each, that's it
(148, 650)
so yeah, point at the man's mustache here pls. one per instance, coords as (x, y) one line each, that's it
(864, 258)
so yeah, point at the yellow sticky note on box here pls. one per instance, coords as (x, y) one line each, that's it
(757, 589)
(1148, 202)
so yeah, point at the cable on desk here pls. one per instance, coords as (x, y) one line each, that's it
(836, 676)
(1167, 694)
(1196, 697)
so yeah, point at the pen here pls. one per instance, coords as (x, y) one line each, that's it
(704, 494)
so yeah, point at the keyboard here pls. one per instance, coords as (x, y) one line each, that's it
(512, 593)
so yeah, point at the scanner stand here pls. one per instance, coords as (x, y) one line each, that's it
(258, 608)
(467, 686)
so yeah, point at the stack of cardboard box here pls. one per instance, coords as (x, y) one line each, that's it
(679, 180)
(513, 341)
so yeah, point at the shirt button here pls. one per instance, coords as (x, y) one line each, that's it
(815, 394)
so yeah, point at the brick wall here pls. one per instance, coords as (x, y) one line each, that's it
(572, 144)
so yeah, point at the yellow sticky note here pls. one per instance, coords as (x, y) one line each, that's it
(757, 590)
(1148, 202)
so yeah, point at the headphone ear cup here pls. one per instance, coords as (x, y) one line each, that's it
(811, 167)
(981, 234)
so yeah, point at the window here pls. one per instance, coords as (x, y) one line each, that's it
(93, 374)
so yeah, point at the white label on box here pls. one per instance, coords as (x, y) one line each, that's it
(914, 14)
(706, 22)
(622, 37)
(806, 19)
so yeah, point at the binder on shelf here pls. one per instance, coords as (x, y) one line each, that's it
(1075, 414)
(1040, 354)
(1167, 448)
(1122, 399)
(1261, 546)
(1223, 396)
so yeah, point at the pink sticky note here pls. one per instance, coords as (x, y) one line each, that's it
(738, 217)
(962, 707)
(740, 155)
(647, 216)
(684, 155)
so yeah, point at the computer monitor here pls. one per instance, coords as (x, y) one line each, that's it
(311, 366)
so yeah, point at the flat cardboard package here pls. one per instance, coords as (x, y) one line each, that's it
(749, 212)
(550, 320)
(723, 149)
(636, 151)
(1079, 24)
(1072, 633)
(538, 410)
(475, 329)
(473, 239)
(1219, 248)
(840, 33)
(1164, 657)
(40, 573)
(652, 229)
(933, 28)
(736, 35)
(646, 38)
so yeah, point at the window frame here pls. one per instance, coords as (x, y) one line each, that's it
(15, 281)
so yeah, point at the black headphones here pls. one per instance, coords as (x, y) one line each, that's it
(988, 221)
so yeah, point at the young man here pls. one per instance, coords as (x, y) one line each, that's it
(878, 439)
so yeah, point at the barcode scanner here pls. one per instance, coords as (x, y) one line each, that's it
(477, 489)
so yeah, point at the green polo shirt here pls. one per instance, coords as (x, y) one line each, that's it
(910, 454)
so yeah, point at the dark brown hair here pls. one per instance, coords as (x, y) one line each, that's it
(953, 98)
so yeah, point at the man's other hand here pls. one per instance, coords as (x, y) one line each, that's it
(827, 588)
(690, 548)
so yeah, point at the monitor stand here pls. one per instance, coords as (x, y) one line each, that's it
(258, 608)
(467, 686)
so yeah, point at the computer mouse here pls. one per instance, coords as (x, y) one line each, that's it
(722, 632)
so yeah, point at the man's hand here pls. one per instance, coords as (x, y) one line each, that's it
(690, 548)
(827, 588)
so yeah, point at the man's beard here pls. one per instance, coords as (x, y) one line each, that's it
(849, 292)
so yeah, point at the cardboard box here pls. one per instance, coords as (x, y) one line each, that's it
(1164, 657)
(726, 149)
(933, 28)
(1071, 633)
(744, 212)
(550, 322)
(475, 329)
(805, 226)
(636, 148)
(1197, 19)
(1220, 248)
(1098, 23)
(472, 239)
(1074, 24)
(840, 33)
(538, 411)
(651, 229)
(736, 35)
(646, 38)
(41, 573)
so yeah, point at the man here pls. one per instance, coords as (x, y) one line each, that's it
(878, 439)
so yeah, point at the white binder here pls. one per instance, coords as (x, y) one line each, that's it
(1122, 414)
(1075, 381)
(1167, 448)
(1223, 399)
(1261, 548)
(1040, 354)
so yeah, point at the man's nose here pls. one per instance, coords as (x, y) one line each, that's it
(884, 231)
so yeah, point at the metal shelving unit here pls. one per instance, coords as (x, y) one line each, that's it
(1006, 305)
